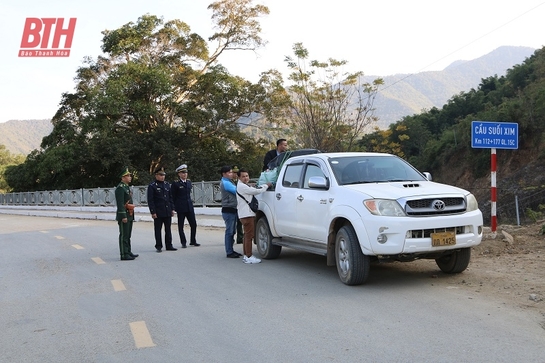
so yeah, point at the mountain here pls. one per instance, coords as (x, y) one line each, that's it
(401, 95)
(23, 136)
(409, 94)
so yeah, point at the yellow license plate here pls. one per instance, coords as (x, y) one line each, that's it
(443, 239)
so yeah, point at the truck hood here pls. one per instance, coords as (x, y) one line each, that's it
(396, 190)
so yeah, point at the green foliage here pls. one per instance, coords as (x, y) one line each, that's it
(7, 160)
(437, 136)
(157, 97)
(535, 215)
(328, 108)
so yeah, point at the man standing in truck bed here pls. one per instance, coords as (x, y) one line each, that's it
(281, 146)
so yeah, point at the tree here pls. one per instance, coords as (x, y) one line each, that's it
(157, 96)
(328, 108)
(7, 160)
(385, 141)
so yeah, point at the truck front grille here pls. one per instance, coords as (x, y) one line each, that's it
(435, 206)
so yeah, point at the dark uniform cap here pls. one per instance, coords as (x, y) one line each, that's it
(124, 172)
(235, 169)
(160, 171)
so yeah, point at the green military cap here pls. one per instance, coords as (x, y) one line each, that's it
(124, 172)
(235, 169)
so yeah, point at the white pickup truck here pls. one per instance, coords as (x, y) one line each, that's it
(355, 208)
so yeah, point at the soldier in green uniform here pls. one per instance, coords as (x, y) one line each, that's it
(125, 215)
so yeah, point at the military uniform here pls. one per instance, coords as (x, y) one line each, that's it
(161, 207)
(124, 216)
(181, 193)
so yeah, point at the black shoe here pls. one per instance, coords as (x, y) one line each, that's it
(158, 249)
(133, 255)
(127, 258)
(184, 246)
(195, 244)
(233, 255)
(171, 249)
(239, 254)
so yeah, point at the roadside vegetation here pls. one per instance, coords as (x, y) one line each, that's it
(159, 95)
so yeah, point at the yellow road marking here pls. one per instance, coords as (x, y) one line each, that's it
(141, 335)
(78, 247)
(118, 285)
(59, 237)
(98, 260)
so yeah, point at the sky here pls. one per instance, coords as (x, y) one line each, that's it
(380, 38)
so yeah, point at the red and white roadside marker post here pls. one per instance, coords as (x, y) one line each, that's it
(493, 195)
(494, 135)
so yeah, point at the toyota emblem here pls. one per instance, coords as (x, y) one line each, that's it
(438, 204)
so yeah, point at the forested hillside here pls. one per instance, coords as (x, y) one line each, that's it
(157, 97)
(401, 95)
(23, 136)
(409, 94)
(439, 140)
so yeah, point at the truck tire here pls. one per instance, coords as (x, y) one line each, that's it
(352, 264)
(264, 238)
(455, 262)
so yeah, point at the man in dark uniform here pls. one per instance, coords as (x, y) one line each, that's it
(281, 146)
(181, 193)
(125, 215)
(161, 207)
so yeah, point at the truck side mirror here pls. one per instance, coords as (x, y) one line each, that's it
(318, 182)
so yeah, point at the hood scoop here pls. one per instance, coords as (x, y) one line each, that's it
(411, 185)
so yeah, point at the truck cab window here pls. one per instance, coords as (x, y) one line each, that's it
(292, 175)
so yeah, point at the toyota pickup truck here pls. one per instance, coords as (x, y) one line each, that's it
(357, 208)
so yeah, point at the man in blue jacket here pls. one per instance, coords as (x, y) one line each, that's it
(229, 210)
(181, 193)
(161, 207)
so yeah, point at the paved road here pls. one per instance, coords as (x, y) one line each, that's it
(66, 297)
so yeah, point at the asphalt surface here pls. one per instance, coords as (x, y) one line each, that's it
(206, 217)
(66, 297)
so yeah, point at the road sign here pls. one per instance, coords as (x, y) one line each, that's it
(494, 135)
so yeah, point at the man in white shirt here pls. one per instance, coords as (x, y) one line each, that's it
(245, 214)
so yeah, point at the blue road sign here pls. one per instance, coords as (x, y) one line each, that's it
(494, 135)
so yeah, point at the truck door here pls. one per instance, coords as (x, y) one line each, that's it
(285, 200)
(312, 208)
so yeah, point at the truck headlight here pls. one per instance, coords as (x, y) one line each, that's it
(384, 207)
(472, 203)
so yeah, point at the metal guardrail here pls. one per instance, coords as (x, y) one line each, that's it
(205, 194)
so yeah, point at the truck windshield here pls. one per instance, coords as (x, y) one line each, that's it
(373, 169)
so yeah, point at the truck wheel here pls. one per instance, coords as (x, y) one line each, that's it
(352, 264)
(456, 262)
(263, 238)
